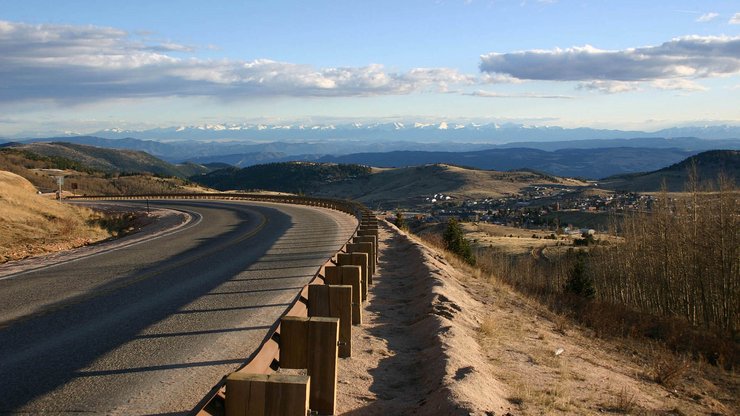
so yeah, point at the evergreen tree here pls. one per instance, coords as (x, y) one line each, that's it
(455, 241)
(579, 283)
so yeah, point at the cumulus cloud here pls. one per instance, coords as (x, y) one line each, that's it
(690, 57)
(735, 19)
(81, 63)
(707, 17)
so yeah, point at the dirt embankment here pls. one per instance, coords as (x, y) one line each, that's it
(418, 353)
(439, 338)
(31, 224)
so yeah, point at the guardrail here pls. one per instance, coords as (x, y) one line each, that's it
(333, 300)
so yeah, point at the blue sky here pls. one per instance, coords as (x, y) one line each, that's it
(86, 65)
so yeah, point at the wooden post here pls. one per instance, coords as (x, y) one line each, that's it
(357, 259)
(334, 301)
(262, 394)
(318, 300)
(245, 394)
(365, 248)
(293, 342)
(352, 276)
(332, 275)
(287, 395)
(349, 275)
(323, 336)
(368, 239)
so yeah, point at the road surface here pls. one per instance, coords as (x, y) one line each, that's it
(150, 328)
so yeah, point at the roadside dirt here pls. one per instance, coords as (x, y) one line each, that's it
(438, 338)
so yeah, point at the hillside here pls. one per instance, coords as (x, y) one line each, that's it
(111, 160)
(295, 177)
(708, 164)
(378, 186)
(83, 180)
(584, 163)
(31, 224)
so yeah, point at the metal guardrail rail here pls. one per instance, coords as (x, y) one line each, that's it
(264, 360)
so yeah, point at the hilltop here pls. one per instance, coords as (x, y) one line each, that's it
(708, 165)
(110, 160)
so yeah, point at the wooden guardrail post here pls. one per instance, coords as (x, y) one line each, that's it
(245, 394)
(294, 342)
(334, 301)
(368, 239)
(352, 276)
(267, 395)
(365, 248)
(357, 259)
(323, 335)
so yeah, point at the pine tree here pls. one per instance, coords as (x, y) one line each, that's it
(579, 283)
(455, 241)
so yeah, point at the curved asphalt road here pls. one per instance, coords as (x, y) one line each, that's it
(150, 328)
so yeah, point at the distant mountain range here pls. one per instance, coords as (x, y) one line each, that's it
(444, 131)
(582, 158)
(490, 133)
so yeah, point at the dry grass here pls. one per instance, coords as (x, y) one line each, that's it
(590, 375)
(488, 326)
(669, 370)
(31, 224)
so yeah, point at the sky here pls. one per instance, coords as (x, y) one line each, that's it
(83, 66)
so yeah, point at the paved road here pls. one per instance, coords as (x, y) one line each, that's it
(150, 328)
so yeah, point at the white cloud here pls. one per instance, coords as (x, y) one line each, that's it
(88, 63)
(735, 19)
(609, 87)
(677, 84)
(690, 57)
(493, 94)
(707, 17)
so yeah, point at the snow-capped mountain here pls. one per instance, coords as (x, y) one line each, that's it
(450, 130)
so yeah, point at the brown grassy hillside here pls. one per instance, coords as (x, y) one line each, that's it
(32, 224)
(88, 182)
(399, 186)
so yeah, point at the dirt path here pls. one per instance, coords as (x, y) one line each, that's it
(410, 359)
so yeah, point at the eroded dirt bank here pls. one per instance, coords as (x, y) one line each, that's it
(440, 340)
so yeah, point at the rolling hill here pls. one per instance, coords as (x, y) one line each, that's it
(708, 165)
(387, 187)
(295, 177)
(83, 180)
(110, 160)
(584, 163)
